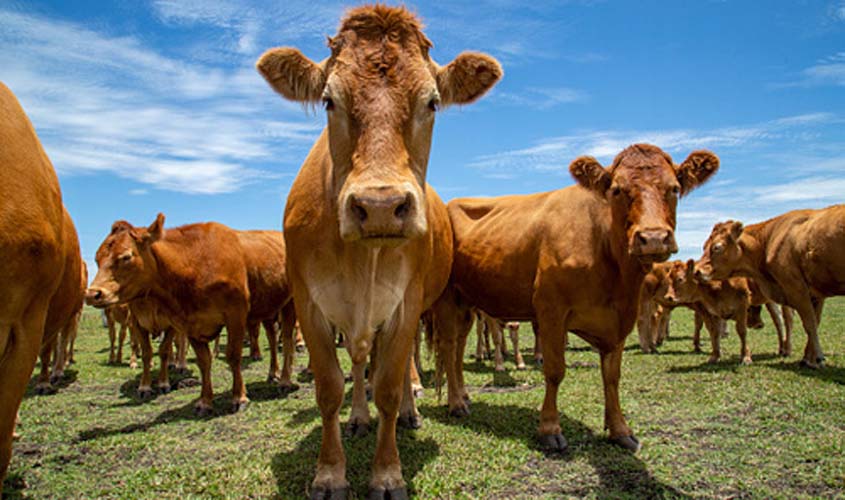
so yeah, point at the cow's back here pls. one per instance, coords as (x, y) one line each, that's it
(503, 244)
(264, 254)
(30, 213)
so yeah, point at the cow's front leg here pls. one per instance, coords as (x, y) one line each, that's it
(288, 335)
(611, 367)
(203, 353)
(554, 335)
(165, 356)
(145, 388)
(409, 417)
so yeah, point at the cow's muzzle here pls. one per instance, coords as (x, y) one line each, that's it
(99, 297)
(653, 245)
(383, 215)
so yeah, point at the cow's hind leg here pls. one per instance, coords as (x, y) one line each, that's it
(288, 335)
(235, 330)
(165, 354)
(203, 353)
(359, 418)
(452, 321)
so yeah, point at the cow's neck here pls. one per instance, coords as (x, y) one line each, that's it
(166, 283)
(631, 271)
(753, 243)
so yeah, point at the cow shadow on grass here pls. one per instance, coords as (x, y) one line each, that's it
(178, 380)
(620, 473)
(294, 469)
(726, 363)
(834, 374)
(69, 378)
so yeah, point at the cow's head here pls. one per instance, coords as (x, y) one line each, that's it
(682, 288)
(125, 264)
(722, 252)
(380, 90)
(643, 186)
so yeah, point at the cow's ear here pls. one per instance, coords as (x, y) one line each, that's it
(292, 74)
(467, 78)
(690, 269)
(119, 226)
(156, 230)
(735, 229)
(590, 174)
(696, 169)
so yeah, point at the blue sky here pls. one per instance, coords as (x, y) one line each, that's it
(147, 106)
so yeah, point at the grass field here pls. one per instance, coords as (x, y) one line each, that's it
(769, 430)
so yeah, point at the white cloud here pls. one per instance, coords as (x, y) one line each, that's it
(109, 103)
(827, 71)
(541, 98)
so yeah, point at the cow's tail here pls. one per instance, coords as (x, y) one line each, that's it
(432, 348)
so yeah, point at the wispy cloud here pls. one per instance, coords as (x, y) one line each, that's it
(109, 103)
(827, 71)
(557, 152)
(541, 98)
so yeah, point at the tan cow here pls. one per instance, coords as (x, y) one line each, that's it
(573, 259)
(32, 257)
(795, 258)
(486, 327)
(195, 277)
(120, 315)
(270, 296)
(369, 243)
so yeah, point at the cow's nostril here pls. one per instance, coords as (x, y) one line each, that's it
(359, 211)
(641, 238)
(98, 294)
(403, 209)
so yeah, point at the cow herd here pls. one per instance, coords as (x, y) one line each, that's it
(369, 250)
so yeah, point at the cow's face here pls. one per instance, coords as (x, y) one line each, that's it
(682, 288)
(125, 264)
(722, 253)
(380, 90)
(642, 187)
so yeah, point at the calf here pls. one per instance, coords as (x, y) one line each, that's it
(192, 277)
(34, 250)
(576, 263)
(653, 316)
(795, 258)
(119, 315)
(369, 243)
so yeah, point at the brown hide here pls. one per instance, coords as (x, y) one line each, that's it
(32, 257)
(194, 278)
(64, 306)
(795, 258)
(573, 259)
(269, 296)
(369, 243)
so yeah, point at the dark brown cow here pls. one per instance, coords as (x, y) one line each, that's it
(369, 243)
(795, 258)
(194, 276)
(32, 257)
(270, 295)
(573, 259)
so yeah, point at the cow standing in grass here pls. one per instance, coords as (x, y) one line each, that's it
(795, 258)
(573, 259)
(369, 243)
(194, 278)
(33, 254)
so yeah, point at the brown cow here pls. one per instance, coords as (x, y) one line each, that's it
(195, 276)
(270, 295)
(32, 257)
(119, 314)
(653, 316)
(369, 243)
(487, 326)
(67, 336)
(576, 263)
(795, 258)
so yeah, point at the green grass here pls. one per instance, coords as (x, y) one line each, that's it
(769, 430)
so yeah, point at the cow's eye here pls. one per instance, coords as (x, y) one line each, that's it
(676, 190)
(125, 258)
(718, 248)
(328, 103)
(616, 191)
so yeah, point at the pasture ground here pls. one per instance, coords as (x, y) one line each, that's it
(769, 430)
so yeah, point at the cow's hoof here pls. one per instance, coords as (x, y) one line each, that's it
(300, 348)
(711, 360)
(553, 442)
(417, 391)
(44, 389)
(409, 421)
(273, 379)
(171, 367)
(499, 369)
(287, 388)
(630, 443)
(256, 357)
(164, 388)
(520, 366)
(357, 429)
(369, 392)
(385, 494)
(329, 494)
(538, 362)
(807, 364)
(202, 411)
(133, 366)
(459, 411)
(239, 406)
(145, 393)
(696, 349)
(746, 361)
(55, 379)
(181, 370)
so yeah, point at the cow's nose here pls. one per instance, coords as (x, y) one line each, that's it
(93, 295)
(655, 241)
(381, 214)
